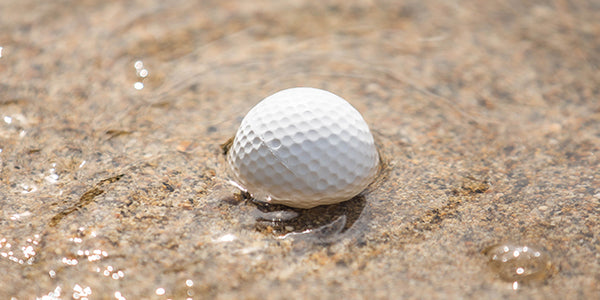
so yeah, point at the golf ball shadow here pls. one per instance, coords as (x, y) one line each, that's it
(321, 224)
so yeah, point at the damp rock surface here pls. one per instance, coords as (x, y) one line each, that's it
(113, 182)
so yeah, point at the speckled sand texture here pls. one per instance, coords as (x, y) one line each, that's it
(113, 182)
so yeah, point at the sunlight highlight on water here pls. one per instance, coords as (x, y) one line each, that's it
(80, 292)
(26, 254)
(141, 73)
(119, 296)
(18, 216)
(52, 178)
(53, 295)
(225, 238)
(28, 188)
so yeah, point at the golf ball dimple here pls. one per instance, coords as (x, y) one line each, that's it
(303, 147)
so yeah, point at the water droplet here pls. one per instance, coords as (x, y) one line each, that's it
(519, 264)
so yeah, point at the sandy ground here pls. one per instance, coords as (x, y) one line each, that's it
(113, 183)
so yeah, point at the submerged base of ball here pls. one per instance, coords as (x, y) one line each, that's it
(303, 147)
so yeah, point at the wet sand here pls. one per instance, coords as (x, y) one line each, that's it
(113, 183)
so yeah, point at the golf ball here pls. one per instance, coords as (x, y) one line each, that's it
(303, 147)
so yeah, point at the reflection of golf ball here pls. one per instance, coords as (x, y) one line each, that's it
(303, 147)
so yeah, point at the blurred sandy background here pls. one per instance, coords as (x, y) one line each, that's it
(113, 185)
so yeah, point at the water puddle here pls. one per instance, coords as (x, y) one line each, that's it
(321, 223)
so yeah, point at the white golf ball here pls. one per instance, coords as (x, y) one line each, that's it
(303, 147)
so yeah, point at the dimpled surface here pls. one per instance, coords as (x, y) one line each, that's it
(303, 147)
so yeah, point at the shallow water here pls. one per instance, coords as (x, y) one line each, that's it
(113, 183)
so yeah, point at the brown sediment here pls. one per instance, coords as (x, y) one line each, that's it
(84, 200)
